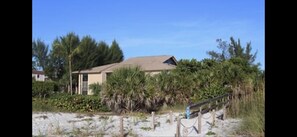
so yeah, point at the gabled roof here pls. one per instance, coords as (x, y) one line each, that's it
(37, 72)
(98, 69)
(146, 63)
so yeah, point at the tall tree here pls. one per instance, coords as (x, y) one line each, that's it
(33, 57)
(86, 54)
(248, 55)
(116, 52)
(70, 53)
(68, 46)
(40, 51)
(56, 63)
(103, 56)
(223, 46)
(233, 50)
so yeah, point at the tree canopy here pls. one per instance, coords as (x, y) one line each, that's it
(39, 54)
(69, 53)
(233, 50)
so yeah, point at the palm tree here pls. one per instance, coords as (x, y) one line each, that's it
(68, 46)
(40, 53)
(124, 90)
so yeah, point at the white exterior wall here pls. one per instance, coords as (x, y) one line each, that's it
(40, 78)
(79, 83)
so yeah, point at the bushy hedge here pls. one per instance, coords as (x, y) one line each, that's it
(124, 91)
(96, 88)
(73, 103)
(43, 105)
(43, 89)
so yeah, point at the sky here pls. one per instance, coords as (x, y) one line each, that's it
(185, 29)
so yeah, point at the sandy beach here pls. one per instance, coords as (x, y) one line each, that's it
(75, 124)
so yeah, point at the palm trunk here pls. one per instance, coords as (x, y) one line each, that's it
(70, 75)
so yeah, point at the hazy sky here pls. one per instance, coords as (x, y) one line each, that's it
(186, 29)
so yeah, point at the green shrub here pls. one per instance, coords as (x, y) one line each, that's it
(96, 88)
(210, 133)
(124, 91)
(39, 104)
(69, 103)
(129, 89)
(174, 87)
(212, 91)
(43, 89)
(146, 128)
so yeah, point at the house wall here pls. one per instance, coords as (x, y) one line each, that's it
(104, 75)
(100, 78)
(93, 78)
(41, 77)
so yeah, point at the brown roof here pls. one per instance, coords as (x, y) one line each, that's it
(98, 69)
(37, 72)
(147, 63)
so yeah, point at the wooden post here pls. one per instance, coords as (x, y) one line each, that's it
(121, 126)
(199, 121)
(213, 116)
(178, 127)
(153, 121)
(216, 105)
(225, 107)
(171, 118)
(244, 98)
(224, 112)
(209, 107)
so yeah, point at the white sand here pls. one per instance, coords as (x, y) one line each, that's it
(68, 124)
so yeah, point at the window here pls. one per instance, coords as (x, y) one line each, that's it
(85, 77)
(85, 84)
(37, 75)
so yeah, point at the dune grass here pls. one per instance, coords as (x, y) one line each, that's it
(173, 108)
(251, 110)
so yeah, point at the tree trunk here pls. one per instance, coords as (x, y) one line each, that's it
(70, 75)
